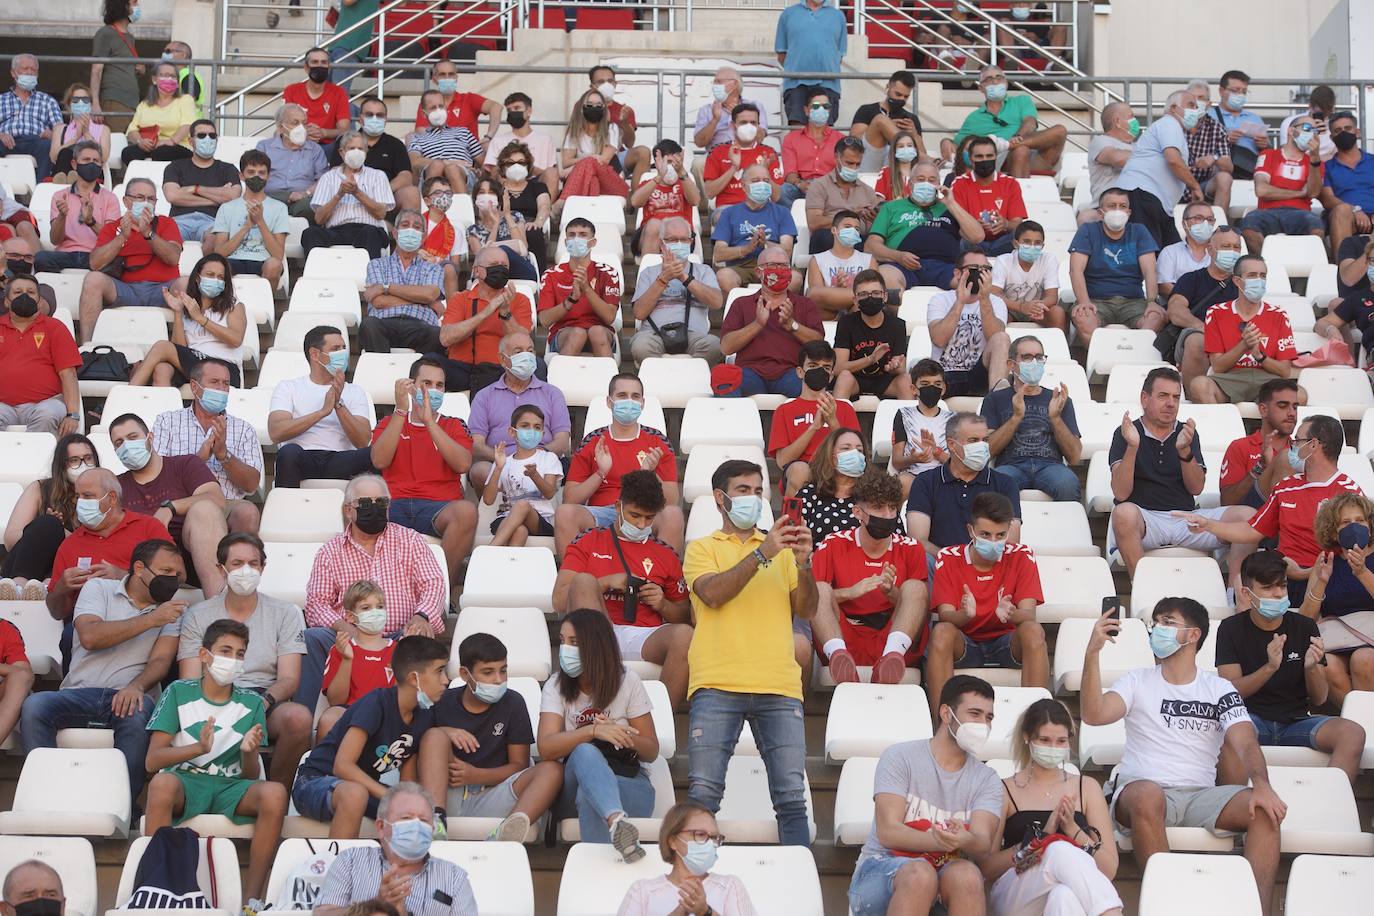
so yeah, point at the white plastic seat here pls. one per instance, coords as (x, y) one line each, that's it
(702, 463)
(1341, 388)
(1008, 705)
(1111, 347)
(1321, 284)
(252, 406)
(1297, 254)
(801, 245)
(1359, 707)
(662, 712)
(582, 379)
(746, 809)
(1297, 308)
(329, 296)
(1176, 883)
(1101, 745)
(297, 516)
(338, 263)
(1243, 199)
(599, 415)
(71, 857)
(191, 253)
(1074, 586)
(913, 309)
(1130, 651)
(866, 719)
(225, 880)
(918, 345)
(1055, 215)
(9, 497)
(676, 380)
(1126, 380)
(502, 884)
(570, 831)
(1039, 189)
(293, 326)
(1057, 529)
(1356, 467)
(883, 419)
(720, 421)
(1071, 374)
(280, 365)
(256, 295)
(738, 292)
(1218, 425)
(66, 287)
(25, 457)
(1329, 886)
(145, 168)
(377, 373)
(704, 517)
(70, 793)
(129, 326)
(146, 401)
(1055, 344)
(521, 629)
(607, 208)
(19, 174)
(1322, 817)
(854, 801)
(1159, 577)
(510, 577)
(288, 569)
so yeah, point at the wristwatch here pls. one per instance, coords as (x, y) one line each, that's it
(386, 289)
(167, 504)
(504, 316)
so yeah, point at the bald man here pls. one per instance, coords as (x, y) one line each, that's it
(1108, 152)
(476, 319)
(678, 291)
(33, 888)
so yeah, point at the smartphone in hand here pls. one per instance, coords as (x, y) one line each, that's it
(1112, 605)
(792, 509)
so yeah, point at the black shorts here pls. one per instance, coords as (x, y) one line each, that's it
(960, 382)
(189, 359)
(245, 266)
(875, 384)
(545, 529)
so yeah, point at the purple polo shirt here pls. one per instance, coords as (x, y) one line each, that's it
(493, 405)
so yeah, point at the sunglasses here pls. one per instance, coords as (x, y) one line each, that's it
(370, 502)
(207, 136)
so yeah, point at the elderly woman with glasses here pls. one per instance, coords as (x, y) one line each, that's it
(688, 841)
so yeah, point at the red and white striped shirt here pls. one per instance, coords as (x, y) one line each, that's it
(1290, 509)
(401, 563)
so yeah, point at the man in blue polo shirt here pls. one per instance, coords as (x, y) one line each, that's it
(1243, 128)
(937, 511)
(812, 37)
(1348, 188)
(1011, 121)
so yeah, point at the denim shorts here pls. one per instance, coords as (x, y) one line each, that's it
(602, 516)
(1302, 733)
(988, 653)
(145, 293)
(870, 891)
(417, 514)
(1288, 220)
(314, 797)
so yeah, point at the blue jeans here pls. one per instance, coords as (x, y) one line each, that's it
(716, 719)
(789, 194)
(597, 793)
(1054, 477)
(788, 384)
(193, 226)
(88, 707)
(58, 261)
(1302, 733)
(35, 146)
(417, 514)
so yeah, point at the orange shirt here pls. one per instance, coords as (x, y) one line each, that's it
(482, 346)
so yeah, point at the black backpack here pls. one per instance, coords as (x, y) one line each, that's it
(167, 876)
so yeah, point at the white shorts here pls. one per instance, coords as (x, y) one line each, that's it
(632, 639)
(1164, 529)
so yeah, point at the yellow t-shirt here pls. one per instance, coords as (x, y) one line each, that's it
(167, 120)
(745, 645)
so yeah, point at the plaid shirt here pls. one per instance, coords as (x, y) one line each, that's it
(350, 210)
(420, 273)
(30, 119)
(1208, 140)
(356, 874)
(401, 563)
(178, 432)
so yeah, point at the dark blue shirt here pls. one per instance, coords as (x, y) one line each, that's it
(1113, 267)
(1344, 593)
(503, 723)
(390, 741)
(1034, 437)
(1353, 186)
(946, 499)
(1158, 469)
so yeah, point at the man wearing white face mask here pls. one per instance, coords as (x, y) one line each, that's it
(713, 118)
(938, 505)
(439, 149)
(936, 809)
(404, 293)
(196, 187)
(676, 291)
(1287, 180)
(350, 203)
(723, 174)
(1178, 718)
(385, 153)
(1157, 173)
(1112, 269)
(297, 162)
(1189, 254)
(272, 662)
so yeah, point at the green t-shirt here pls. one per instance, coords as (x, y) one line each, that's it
(936, 234)
(1004, 124)
(348, 15)
(182, 713)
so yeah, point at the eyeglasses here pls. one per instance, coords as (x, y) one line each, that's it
(77, 461)
(142, 199)
(1190, 220)
(702, 836)
(209, 136)
(371, 502)
(1032, 358)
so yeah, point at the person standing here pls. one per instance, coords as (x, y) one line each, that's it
(812, 37)
(115, 86)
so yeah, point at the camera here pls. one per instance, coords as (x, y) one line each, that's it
(632, 587)
(975, 277)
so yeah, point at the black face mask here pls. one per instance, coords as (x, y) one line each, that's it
(894, 105)
(872, 305)
(879, 528)
(19, 267)
(24, 306)
(319, 74)
(929, 395)
(817, 379)
(515, 119)
(593, 114)
(89, 171)
(370, 519)
(163, 588)
(40, 906)
(497, 276)
(985, 167)
(1345, 142)
(255, 184)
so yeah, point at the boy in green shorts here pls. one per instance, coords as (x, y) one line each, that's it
(204, 746)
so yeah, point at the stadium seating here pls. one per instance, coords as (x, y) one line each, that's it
(510, 577)
(664, 798)
(1180, 883)
(1010, 703)
(746, 810)
(25, 457)
(1131, 650)
(522, 630)
(1329, 885)
(72, 857)
(720, 421)
(65, 792)
(301, 516)
(219, 882)
(866, 719)
(1197, 577)
(1321, 812)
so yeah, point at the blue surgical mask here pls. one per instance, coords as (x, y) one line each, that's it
(1272, 608)
(410, 839)
(818, 115)
(409, 239)
(851, 463)
(700, 857)
(136, 14)
(1030, 372)
(373, 126)
(634, 532)
(1030, 253)
(529, 438)
(436, 399)
(570, 660)
(422, 699)
(1191, 116)
(523, 364)
(140, 209)
(338, 361)
(906, 154)
(848, 174)
(850, 236)
(680, 250)
(88, 512)
(489, 693)
(1164, 640)
(976, 455)
(578, 247)
(626, 410)
(1369, 272)
(27, 81)
(212, 400)
(923, 193)
(1303, 140)
(1226, 259)
(211, 287)
(744, 511)
(206, 146)
(81, 109)
(1295, 462)
(133, 454)
(1201, 232)
(760, 191)
(996, 92)
(1020, 12)
(448, 85)
(991, 551)
(1254, 289)
(1236, 101)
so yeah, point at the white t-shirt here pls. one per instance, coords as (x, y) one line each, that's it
(630, 702)
(1176, 260)
(586, 145)
(515, 486)
(841, 273)
(1174, 731)
(911, 422)
(1025, 285)
(300, 396)
(965, 347)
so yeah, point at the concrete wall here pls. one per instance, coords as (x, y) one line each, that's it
(65, 17)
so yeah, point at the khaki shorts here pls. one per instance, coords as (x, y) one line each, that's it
(748, 271)
(1241, 385)
(1188, 807)
(1120, 310)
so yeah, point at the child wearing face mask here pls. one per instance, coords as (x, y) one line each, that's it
(358, 662)
(205, 737)
(526, 482)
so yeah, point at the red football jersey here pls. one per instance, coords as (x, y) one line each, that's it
(11, 644)
(594, 553)
(1221, 331)
(1241, 456)
(718, 163)
(840, 562)
(557, 284)
(625, 457)
(665, 201)
(1002, 196)
(1015, 575)
(792, 418)
(371, 669)
(1290, 509)
(1286, 175)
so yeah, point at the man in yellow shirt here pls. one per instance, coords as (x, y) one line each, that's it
(746, 585)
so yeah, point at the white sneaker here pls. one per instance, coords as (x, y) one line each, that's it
(625, 839)
(513, 829)
(8, 590)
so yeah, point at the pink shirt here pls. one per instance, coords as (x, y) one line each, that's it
(806, 157)
(79, 236)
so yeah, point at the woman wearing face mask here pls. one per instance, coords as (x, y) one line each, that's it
(1044, 799)
(1340, 591)
(498, 224)
(590, 146)
(827, 501)
(207, 321)
(688, 841)
(597, 718)
(42, 518)
(901, 157)
(115, 86)
(528, 198)
(162, 122)
(81, 126)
